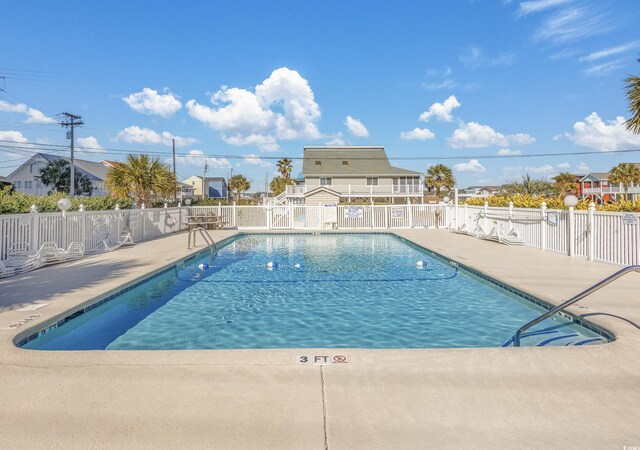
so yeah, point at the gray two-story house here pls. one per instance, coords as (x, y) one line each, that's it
(342, 174)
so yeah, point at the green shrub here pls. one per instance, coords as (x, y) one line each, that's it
(18, 203)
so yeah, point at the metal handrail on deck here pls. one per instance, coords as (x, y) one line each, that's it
(572, 300)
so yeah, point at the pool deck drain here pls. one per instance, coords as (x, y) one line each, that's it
(583, 397)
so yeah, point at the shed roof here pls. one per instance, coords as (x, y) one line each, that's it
(330, 161)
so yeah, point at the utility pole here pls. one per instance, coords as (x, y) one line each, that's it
(72, 122)
(175, 191)
(204, 177)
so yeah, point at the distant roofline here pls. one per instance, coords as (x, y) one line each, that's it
(346, 147)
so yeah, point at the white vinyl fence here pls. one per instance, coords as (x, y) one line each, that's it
(30, 231)
(598, 236)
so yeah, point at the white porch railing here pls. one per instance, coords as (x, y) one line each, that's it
(611, 190)
(354, 190)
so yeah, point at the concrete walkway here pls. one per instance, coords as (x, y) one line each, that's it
(556, 397)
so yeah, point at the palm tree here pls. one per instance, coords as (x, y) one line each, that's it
(239, 184)
(565, 184)
(633, 95)
(53, 175)
(279, 184)
(143, 178)
(625, 174)
(284, 167)
(529, 186)
(439, 177)
(57, 175)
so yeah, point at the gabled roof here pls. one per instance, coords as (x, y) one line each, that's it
(322, 189)
(363, 161)
(92, 170)
(209, 178)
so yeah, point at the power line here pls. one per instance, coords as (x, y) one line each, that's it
(98, 150)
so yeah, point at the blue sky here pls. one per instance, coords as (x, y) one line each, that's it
(243, 82)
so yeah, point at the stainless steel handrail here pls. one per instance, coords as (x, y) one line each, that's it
(572, 300)
(205, 236)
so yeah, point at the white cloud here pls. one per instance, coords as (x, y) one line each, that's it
(604, 136)
(508, 152)
(441, 111)
(356, 127)
(582, 168)
(13, 136)
(197, 158)
(90, 143)
(420, 134)
(541, 170)
(33, 115)
(472, 166)
(255, 160)
(243, 117)
(475, 135)
(337, 140)
(563, 166)
(150, 102)
(604, 68)
(474, 57)
(594, 56)
(264, 142)
(147, 136)
(570, 24)
(534, 6)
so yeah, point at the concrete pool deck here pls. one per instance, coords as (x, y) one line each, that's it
(552, 397)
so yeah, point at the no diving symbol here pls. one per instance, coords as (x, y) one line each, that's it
(339, 359)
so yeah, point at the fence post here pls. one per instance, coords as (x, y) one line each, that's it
(465, 218)
(83, 225)
(269, 213)
(411, 214)
(456, 216)
(386, 216)
(510, 217)
(543, 226)
(142, 215)
(291, 215)
(234, 215)
(35, 224)
(572, 231)
(590, 230)
(486, 211)
(219, 208)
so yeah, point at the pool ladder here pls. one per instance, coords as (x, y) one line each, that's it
(205, 236)
(572, 300)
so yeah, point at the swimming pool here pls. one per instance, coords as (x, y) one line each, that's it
(321, 291)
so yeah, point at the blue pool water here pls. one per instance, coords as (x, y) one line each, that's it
(349, 291)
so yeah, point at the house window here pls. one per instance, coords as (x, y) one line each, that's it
(19, 184)
(325, 181)
(345, 163)
(28, 184)
(372, 181)
(318, 163)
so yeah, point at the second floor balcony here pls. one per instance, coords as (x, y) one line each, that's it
(352, 190)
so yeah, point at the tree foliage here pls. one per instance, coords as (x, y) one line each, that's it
(625, 174)
(565, 184)
(284, 167)
(57, 176)
(439, 177)
(529, 186)
(142, 178)
(239, 184)
(633, 95)
(279, 184)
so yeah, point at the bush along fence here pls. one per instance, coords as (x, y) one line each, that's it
(611, 237)
(94, 229)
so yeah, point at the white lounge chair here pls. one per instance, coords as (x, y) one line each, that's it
(511, 238)
(6, 271)
(491, 236)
